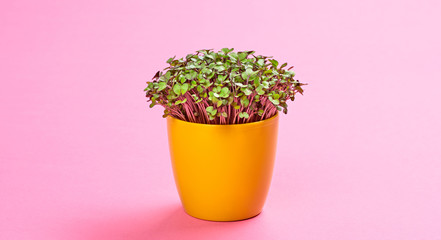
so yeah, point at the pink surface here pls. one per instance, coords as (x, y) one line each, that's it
(82, 156)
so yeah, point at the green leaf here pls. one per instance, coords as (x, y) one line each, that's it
(247, 91)
(209, 76)
(162, 86)
(245, 102)
(250, 71)
(274, 62)
(219, 103)
(184, 88)
(180, 101)
(260, 90)
(233, 56)
(224, 114)
(241, 56)
(167, 75)
(244, 75)
(211, 110)
(171, 59)
(177, 88)
(225, 92)
(269, 71)
(256, 82)
(193, 74)
(220, 68)
(209, 56)
(214, 100)
(235, 105)
(217, 89)
(276, 96)
(243, 115)
(227, 50)
(240, 84)
(221, 78)
(274, 101)
(182, 78)
(260, 62)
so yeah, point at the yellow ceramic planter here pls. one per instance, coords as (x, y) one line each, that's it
(223, 172)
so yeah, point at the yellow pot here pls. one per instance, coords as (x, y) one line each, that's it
(223, 172)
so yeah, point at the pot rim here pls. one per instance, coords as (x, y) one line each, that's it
(261, 122)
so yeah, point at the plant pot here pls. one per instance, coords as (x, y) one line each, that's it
(223, 172)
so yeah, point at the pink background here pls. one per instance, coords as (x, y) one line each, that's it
(82, 156)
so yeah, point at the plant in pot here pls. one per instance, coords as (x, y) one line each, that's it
(222, 121)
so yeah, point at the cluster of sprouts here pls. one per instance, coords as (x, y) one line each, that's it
(223, 87)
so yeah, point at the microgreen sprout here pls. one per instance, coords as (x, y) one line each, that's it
(223, 87)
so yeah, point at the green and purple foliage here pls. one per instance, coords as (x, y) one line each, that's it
(223, 87)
